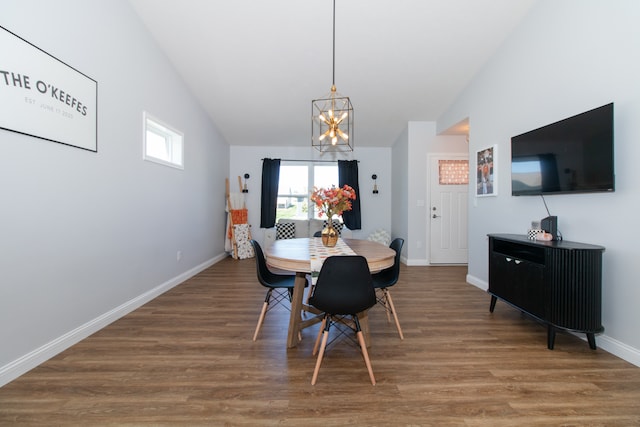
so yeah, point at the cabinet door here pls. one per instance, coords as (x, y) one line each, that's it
(502, 277)
(532, 288)
(519, 282)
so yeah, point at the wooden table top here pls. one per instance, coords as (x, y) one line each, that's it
(293, 254)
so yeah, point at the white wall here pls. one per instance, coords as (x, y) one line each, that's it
(565, 58)
(88, 236)
(400, 189)
(375, 208)
(421, 136)
(411, 182)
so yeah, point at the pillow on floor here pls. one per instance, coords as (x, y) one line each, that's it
(243, 245)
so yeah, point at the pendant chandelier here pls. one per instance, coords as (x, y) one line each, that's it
(332, 115)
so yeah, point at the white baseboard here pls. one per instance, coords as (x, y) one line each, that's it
(24, 364)
(417, 262)
(620, 349)
(477, 282)
(603, 341)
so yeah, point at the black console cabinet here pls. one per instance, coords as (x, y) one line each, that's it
(558, 282)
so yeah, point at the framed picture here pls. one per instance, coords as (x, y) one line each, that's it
(43, 97)
(486, 172)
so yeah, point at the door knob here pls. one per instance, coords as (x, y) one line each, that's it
(435, 216)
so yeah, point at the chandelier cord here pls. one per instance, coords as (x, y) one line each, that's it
(334, 44)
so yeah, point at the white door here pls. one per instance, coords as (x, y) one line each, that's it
(448, 212)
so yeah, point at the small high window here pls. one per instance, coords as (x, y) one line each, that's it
(453, 172)
(162, 143)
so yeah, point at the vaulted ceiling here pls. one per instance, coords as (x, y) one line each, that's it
(255, 65)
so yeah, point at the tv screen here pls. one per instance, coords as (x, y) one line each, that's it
(574, 155)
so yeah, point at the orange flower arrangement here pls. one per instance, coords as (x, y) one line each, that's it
(333, 201)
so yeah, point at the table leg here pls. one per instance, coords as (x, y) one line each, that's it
(296, 309)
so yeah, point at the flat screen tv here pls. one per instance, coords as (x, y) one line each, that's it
(574, 155)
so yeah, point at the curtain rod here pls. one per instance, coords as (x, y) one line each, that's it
(311, 161)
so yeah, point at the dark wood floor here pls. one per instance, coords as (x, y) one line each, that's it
(187, 358)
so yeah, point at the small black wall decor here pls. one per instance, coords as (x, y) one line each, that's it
(43, 97)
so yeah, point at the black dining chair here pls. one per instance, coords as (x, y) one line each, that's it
(344, 288)
(279, 286)
(385, 279)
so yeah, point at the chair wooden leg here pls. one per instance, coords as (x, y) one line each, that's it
(363, 347)
(325, 337)
(365, 354)
(322, 326)
(385, 303)
(395, 316)
(265, 305)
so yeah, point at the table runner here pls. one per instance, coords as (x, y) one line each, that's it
(318, 253)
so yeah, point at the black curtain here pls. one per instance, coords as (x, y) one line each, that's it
(348, 174)
(269, 199)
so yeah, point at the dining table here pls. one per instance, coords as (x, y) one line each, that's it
(295, 256)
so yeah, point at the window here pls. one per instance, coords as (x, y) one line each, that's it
(453, 172)
(295, 185)
(162, 144)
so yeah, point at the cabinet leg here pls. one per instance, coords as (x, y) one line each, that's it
(592, 340)
(493, 303)
(551, 337)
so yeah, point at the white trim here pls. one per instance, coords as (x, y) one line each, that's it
(23, 364)
(618, 348)
(477, 282)
(417, 262)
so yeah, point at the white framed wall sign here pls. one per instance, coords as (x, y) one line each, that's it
(43, 97)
